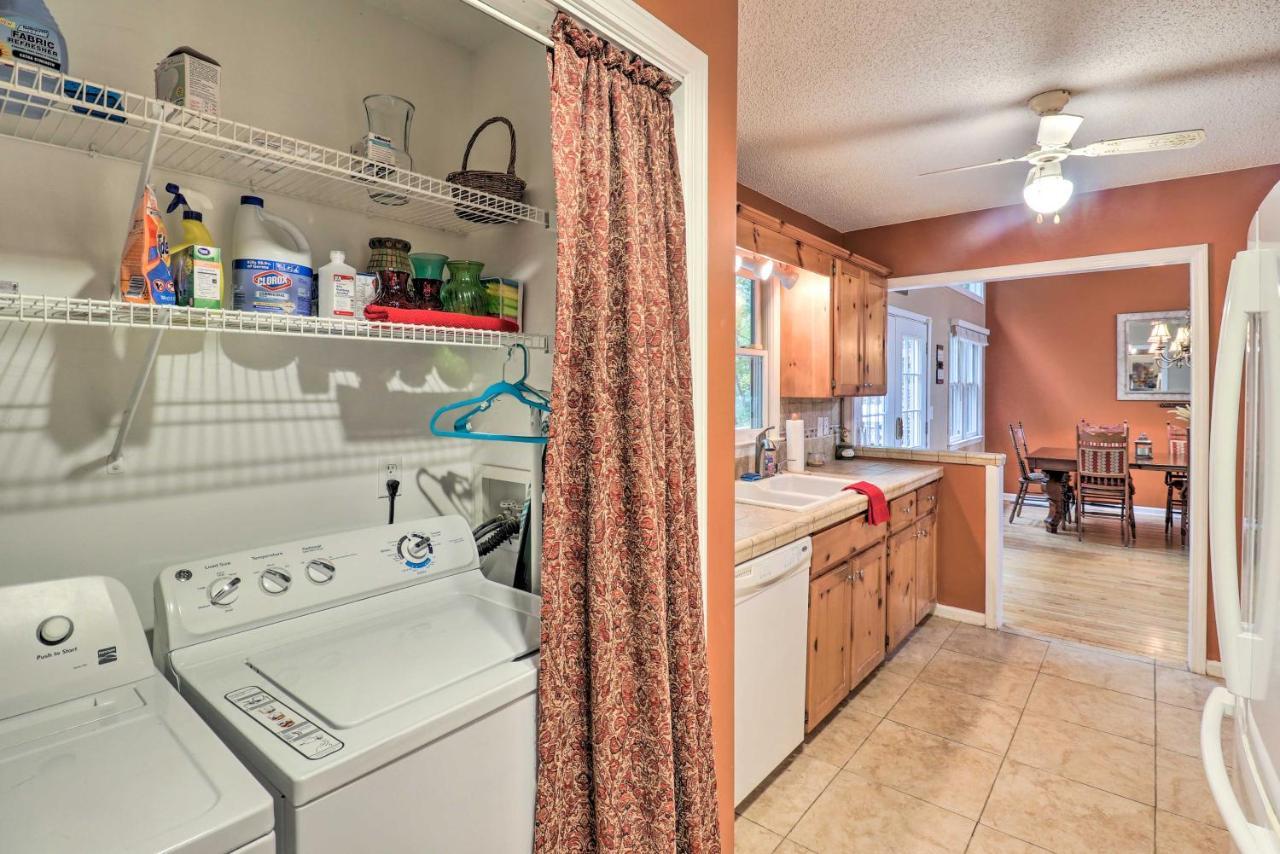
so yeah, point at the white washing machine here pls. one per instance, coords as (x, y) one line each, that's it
(375, 680)
(97, 751)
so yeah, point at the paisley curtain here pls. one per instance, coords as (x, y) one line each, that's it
(624, 728)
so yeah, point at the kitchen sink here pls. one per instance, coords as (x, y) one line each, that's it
(793, 492)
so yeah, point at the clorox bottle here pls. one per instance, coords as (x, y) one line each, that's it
(269, 275)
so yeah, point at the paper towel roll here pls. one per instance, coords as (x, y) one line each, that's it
(795, 445)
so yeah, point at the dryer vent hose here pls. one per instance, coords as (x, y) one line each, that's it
(495, 532)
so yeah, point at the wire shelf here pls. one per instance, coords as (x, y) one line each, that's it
(43, 106)
(79, 311)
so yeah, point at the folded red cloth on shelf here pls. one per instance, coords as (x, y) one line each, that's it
(427, 317)
(877, 504)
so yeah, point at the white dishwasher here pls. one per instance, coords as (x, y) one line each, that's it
(771, 619)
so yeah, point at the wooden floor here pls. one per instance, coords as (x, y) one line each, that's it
(1096, 591)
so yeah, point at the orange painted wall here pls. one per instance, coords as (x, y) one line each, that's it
(712, 26)
(1211, 209)
(763, 203)
(962, 537)
(1050, 384)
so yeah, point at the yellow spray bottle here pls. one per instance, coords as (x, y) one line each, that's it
(197, 261)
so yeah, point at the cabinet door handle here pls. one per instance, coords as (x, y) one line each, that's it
(860, 572)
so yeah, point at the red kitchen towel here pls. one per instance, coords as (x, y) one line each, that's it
(427, 317)
(877, 504)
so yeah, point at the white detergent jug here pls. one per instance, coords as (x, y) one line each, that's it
(268, 275)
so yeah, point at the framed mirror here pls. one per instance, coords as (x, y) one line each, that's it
(1153, 355)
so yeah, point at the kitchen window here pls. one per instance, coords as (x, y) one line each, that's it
(973, 290)
(750, 365)
(966, 383)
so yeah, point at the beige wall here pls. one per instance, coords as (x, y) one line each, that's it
(941, 305)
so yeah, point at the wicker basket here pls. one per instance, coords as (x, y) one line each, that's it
(506, 185)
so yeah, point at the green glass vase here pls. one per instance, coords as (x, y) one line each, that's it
(463, 293)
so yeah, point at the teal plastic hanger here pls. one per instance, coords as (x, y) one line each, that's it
(520, 390)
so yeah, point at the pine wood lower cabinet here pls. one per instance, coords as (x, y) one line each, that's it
(926, 593)
(900, 582)
(829, 642)
(867, 583)
(866, 595)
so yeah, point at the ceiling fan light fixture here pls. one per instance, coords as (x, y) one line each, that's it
(1046, 190)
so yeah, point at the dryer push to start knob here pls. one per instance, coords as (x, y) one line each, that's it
(320, 571)
(224, 591)
(275, 580)
(54, 630)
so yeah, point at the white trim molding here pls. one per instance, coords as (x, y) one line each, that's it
(960, 615)
(1196, 257)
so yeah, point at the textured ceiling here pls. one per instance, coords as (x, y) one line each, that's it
(842, 104)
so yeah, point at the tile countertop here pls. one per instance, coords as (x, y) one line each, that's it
(762, 529)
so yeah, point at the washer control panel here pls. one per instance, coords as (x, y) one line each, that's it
(65, 639)
(203, 599)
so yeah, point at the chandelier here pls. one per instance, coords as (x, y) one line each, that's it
(1170, 351)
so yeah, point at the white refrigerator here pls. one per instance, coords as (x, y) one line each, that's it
(1246, 588)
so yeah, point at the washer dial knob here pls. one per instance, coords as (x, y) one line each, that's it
(275, 580)
(224, 591)
(54, 630)
(320, 571)
(415, 550)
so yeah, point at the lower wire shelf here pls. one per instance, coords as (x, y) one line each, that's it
(81, 311)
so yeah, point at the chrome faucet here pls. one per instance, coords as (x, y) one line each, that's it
(764, 444)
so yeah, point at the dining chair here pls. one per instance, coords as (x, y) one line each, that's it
(1175, 482)
(1028, 478)
(1102, 476)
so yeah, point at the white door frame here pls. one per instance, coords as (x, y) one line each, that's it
(1196, 257)
(925, 361)
(626, 24)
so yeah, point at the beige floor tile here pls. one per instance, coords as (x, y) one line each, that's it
(879, 692)
(1182, 688)
(1103, 669)
(1181, 788)
(836, 739)
(997, 646)
(1063, 815)
(1178, 729)
(911, 657)
(1004, 683)
(854, 814)
(784, 796)
(1178, 835)
(988, 840)
(944, 773)
(934, 630)
(789, 847)
(961, 717)
(1109, 762)
(751, 838)
(1110, 711)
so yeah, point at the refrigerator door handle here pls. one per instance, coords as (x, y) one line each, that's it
(1248, 837)
(1242, 298)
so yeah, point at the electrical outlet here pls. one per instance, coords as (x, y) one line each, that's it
(389, 468)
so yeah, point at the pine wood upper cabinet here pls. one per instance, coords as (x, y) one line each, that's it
(926, 565)
(867, 590)
(829, 640)
(874, 331)
(900, 576)
(847, 294)
(805, 333)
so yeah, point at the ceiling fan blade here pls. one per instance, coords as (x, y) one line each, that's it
(975, 166)
(1140, 144)
(1057, 129)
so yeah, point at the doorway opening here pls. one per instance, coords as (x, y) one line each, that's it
(1164, 616)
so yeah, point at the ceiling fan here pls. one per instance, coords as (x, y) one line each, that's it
(1047, 190)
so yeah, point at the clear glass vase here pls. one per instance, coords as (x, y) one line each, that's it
(391, 118)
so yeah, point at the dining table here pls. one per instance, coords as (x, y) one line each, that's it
(1059, 463)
